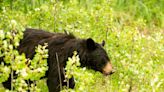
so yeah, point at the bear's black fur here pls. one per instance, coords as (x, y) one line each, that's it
(92, 55)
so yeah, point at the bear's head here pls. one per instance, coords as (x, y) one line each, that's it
(95, 57)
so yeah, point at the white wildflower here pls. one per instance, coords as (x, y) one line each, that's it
(24, 72)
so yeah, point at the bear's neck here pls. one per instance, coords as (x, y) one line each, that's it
(79, 46)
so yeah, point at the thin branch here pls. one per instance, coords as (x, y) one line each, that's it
(12, 74)
(57, 59)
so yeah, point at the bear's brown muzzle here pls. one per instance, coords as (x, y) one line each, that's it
(108, 70)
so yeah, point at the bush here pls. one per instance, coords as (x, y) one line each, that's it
(20, 68)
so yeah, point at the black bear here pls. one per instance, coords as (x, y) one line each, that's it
(92, 55)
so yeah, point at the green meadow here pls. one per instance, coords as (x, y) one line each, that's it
(133, 31)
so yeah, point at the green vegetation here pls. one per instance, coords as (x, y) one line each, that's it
(133, 31)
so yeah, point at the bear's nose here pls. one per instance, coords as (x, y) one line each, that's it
(109, 73)
(107, 70)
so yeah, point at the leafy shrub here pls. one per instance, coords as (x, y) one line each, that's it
(20, 68)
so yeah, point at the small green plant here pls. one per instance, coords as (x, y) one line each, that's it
(84, 79)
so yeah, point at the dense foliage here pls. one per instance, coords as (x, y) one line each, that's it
(132, 29)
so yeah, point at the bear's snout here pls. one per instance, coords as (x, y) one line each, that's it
(108, 70)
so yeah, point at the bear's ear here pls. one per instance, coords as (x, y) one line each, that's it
(103, 43)
(90, 44)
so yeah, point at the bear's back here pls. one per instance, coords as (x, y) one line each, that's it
(34, 37)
